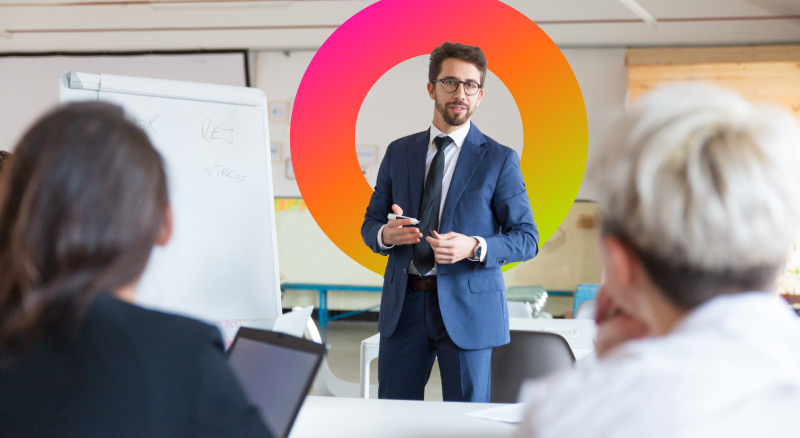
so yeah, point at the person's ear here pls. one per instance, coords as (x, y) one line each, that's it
(166, 228)
(432, 90)
(619, 263)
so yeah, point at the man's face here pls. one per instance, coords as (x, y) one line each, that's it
(454, 109)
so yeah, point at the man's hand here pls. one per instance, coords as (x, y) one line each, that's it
(614, 327)
(395, 234)
(452, 247)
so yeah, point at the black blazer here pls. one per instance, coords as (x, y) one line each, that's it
(126, 372)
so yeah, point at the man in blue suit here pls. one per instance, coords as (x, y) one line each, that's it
(443, 292)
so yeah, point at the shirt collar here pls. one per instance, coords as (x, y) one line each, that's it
(458, 136)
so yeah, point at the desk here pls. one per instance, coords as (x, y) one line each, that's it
(322, 290)
(359, 418)
(579, 333)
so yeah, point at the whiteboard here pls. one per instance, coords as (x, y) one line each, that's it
(221, 264)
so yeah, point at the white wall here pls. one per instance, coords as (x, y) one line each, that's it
(603, 77)
(279, 73)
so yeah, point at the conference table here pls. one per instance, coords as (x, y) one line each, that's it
(363, 418)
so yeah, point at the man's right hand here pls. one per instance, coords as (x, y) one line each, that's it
(395, 234)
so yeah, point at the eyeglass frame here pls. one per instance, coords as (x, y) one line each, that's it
(480, 86)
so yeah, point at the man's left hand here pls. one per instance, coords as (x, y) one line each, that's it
(452, 247)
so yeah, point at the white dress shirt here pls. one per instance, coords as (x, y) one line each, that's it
(451, 154)
(731, 368)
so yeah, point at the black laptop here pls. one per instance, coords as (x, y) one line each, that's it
(276, 371)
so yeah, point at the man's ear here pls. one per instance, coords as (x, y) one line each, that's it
(166, 228)
(432, 90)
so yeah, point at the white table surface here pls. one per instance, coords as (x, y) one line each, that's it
(356, 418)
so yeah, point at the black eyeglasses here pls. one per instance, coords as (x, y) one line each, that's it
(451, 86)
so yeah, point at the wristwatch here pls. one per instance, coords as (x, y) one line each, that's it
(478, 251)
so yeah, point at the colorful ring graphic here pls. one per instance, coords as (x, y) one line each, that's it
(388, 32)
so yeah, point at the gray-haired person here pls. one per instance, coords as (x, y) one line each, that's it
(699, 201)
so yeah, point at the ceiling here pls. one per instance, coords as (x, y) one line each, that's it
(97, 25)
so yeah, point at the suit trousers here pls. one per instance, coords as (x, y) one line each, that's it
(406, 357)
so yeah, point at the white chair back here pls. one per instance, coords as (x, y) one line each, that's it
(326, 383)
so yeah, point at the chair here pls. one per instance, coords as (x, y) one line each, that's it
(584, 292)
(326, 383)
(586, 310)
(534, 298)
(518, 309)
(370, 349)
(527, 356)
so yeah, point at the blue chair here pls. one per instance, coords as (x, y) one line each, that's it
(584, 292)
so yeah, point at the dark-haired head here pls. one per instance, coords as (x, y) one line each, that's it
(4, 157)
(82, 206)
(472, 54)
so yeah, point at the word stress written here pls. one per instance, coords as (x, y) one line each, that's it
(218, 171)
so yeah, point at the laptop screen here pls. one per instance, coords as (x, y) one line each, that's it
(275, 371)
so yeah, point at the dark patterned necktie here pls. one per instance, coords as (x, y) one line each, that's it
(431, 202)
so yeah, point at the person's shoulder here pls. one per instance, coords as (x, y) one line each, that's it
(404, 143)
(411, 138)
(603, 388)
(491, 144)
(157, 326)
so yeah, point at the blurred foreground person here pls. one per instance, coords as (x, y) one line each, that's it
(5, 157)
(81, 209)
(698, 197)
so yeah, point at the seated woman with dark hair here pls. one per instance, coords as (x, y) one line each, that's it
(82, 208)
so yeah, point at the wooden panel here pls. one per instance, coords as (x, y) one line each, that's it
(705, 55)
(777, 82)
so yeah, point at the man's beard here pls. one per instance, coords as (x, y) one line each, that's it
(454, 120)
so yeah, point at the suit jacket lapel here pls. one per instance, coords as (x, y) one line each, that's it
(416, 155)
(472, 152)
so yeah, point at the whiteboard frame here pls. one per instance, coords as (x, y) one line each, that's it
(77, 86)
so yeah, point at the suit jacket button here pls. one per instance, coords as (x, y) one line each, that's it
(405, 271)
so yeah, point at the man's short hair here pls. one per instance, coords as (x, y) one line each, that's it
(703, 186)
(472, 54)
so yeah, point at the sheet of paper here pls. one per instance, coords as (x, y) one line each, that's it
(504, 414)
(294, 322)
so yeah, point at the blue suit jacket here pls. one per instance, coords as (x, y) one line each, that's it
(487, 198)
